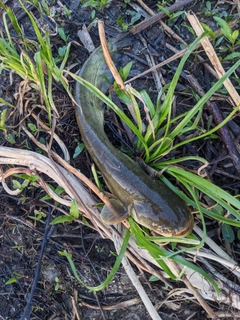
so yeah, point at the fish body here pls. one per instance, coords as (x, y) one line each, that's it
(149, 201)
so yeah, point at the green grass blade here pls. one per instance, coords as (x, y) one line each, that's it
(42, 83)
(190, 202)
(216, 193)
(159, 254)
(14, 21)
(132, 93)
(7, 50)
(112, 272)
(7, 30)
(169, 96)
(163, 164)
(202, 101)
(229, 117)
(152, 248)
(35, 26)
(64, 61)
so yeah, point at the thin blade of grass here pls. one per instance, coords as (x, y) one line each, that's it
(7, 50)
(14, 21)
(7, 30)
(35, 27)
(190, 202)
(112, 272)
(220, 125)
(169, 96)
(163, 164)
(202, 101)
(216, 193)
(42, 82)
(132, 93)
(159, 254)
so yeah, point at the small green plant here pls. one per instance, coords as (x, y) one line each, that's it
(58, 190)
(38, 215)
(57, 284)
(99, 249)
(208, 9)
(228, 33)
(13, 279)
(228, 233)
(74, 214)
(97, 4)
(233, 40)
(135, 16)
(33, 128)
(172, 16)
(112, 272)
(28, 181)
(80, 147)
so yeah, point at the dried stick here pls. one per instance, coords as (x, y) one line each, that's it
(117, 306)
(150, 60)
(210, 256)
(176, 270)
(147, 22)
(161, 64)
(179, 54)
(76, 172)
(39, 163)
(213, 57)
(177, 37)
(217, 250)
(53, 135)
(107, 55)
(113, 68)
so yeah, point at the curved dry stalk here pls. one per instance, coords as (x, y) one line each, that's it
(9, 173)
(107, 55)
(209, 255)
(201, 289)
(55, 136)
(120, 305)
(209, 50)
(176, 271)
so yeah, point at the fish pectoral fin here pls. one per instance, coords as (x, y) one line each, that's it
(111, 217)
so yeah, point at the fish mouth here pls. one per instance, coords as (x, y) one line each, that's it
(178, 233)
(186, 231)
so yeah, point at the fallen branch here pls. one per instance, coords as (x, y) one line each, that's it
(147, 22)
